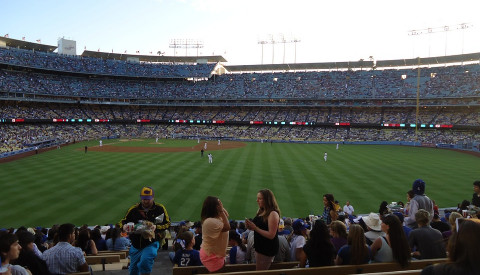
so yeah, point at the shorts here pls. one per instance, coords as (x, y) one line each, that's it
(211, 262)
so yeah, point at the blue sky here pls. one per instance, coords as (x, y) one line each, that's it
(345, 30)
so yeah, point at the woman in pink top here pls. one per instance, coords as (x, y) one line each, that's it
(215, 227)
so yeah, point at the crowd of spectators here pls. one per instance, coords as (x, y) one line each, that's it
(349, 238)
(169, 81)
(98, 66)
(18, 136)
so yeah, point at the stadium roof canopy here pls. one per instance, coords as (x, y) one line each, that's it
(439, 60)
(155, 58)
(300, 66)
(21, 44)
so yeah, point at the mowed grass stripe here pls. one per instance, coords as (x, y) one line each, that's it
(98, 187)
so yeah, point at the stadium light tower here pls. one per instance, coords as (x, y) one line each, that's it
(262, 42)
(445, 29)
(186, 44)
(280, 39)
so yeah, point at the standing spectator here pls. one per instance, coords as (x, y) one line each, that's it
(463, 252)
(356, 251)
(10, 251)
(338, 232)
(410, 196)
(476, 194)
(28, 258)
(329, 213)
(215, 227)
(144, 250)
(394, 246)
(265, 227)
(319, 250)
(426, 242)
(64, 258)
(419, 201)
(237, 250)
(348, 209)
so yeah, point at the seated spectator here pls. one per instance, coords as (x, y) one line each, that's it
(373, 224)
(117, 242)
(28, 258)
(319, 250)
(237, 250)
(10, 251)
(424, 241)
(297, 239)
(64, 258)
(463, 252)
(356, 251)
(452, 222)
(288, 225)
(383, 210)
(338, 232)
(406, 229)
(198, 235)
(394, 246)
(96, 236)
(436, 223)
(86, 243)
(283, 254)
(186, 255)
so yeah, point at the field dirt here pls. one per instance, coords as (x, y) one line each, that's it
(211, 146)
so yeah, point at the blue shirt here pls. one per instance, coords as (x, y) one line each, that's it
(121, 243)
(187, 258)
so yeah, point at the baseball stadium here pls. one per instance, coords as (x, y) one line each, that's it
(82, 134)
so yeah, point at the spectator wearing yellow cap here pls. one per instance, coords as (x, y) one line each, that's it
(144, 248)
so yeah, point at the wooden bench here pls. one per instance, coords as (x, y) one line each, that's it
(120, 253)
(126, 251)
(343, 269)
(398, 272)
(189, 270)
(102, 260)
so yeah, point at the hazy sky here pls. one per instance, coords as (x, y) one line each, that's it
(346, 30)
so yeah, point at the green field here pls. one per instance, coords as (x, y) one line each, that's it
(68, 185)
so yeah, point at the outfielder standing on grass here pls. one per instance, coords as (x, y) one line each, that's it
(210, 158)
(144, 246)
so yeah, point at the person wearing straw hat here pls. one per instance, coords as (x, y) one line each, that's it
(374, 226)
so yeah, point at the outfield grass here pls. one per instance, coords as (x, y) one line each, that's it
(68, 185)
